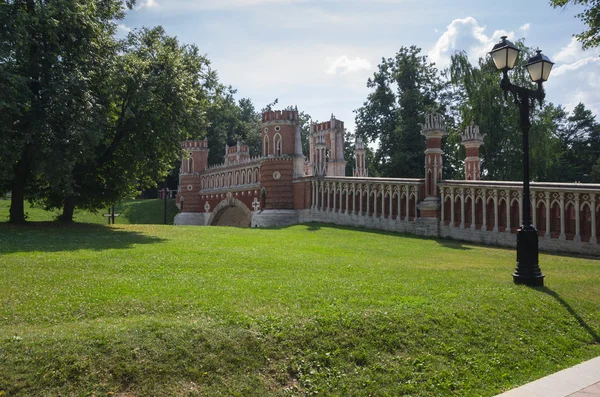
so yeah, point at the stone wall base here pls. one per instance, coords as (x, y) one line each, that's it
(270, 218)
(427, 227)
(191, 218)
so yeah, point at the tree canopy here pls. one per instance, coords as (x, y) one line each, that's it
(87, 119)
(590, 16)
(403, 89)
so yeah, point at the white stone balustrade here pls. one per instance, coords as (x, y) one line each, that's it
(566, 215)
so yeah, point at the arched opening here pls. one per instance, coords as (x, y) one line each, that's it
(570, 221)
(412, 208)
(277, 144)
(468, 208)
(514, 216)
(403, 213)
(555, 220)
(490, 214)
(190, 165)
(541, 219)
(478, 213)
(457, 211)
(586, 222)
(502, 215)
(447, 210)
(395, 199)
(266, 146)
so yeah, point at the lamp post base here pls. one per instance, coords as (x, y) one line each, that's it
(528, 270)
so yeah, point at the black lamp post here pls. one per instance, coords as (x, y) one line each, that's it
(505, 55)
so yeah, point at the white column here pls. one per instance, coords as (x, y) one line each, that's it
(368, 200)
(375, 203)
(416, 202)
(508, 204)
(452, 208)
(533, 210)
(462, 207)
(407, 217)
(484, 209)
(521, 209)
(547, 234)
(593, 238)
(327, 186)
(322, 196)
(360, 200)
(333, 199)
(562, 236)
(347, 192)
(496, 210)
(399, 198)
(473, 200)
(577, 220)
(391, 199)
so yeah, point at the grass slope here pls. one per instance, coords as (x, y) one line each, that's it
(131, 212)
(304, 310)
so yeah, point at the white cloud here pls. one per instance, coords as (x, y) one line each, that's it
(465, 35)
(574, 52)
(147, 4)
(575, 77)
(123, 30)
(525, 27)
(344, 65)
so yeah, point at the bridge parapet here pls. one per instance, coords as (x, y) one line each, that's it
(566, 215)
(379, 203)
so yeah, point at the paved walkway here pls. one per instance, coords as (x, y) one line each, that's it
(582, 380)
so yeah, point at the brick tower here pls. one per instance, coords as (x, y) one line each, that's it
(331, 135)
(283, 159)
(194, 160)
(433, 130)
(472, 140)
(360, 158)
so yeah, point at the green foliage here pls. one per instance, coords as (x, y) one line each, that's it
(590, 16)
(162, 310)
(479, 99)
(579, 140)
(403, 88)
(52, 59)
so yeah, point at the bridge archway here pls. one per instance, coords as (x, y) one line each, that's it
(231, 212)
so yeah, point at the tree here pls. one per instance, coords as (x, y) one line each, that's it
(404, 88)
(590, 16)
(47, 75)
(155, 97)
(479, 99)
(578, 134)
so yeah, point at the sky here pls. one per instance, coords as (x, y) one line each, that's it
(318, 55)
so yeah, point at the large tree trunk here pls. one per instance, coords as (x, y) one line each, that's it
(68, 210)
(17, 208)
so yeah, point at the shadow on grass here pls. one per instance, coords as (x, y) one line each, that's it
(448, 243)
(150, 211)
(56, 237)
(573, 313)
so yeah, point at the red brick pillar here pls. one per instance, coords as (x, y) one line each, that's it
(433, 129)
(472, 140)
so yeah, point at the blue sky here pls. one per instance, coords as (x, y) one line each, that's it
(318, 54)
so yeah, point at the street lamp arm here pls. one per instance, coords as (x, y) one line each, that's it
(521, 94)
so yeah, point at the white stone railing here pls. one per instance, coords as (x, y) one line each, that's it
(566, 215)
(387, 198)
(239, 175)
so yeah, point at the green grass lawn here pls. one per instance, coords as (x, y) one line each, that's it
(130, 212)
(140, 310)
